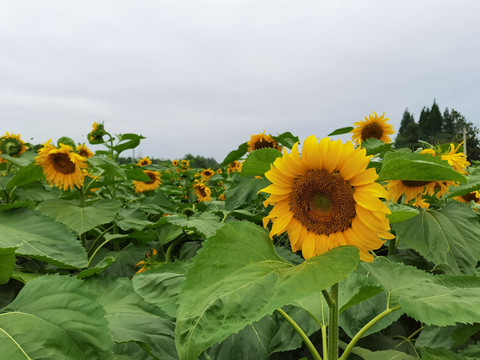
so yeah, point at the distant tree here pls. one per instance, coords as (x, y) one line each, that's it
(436, 128)
(201, 162)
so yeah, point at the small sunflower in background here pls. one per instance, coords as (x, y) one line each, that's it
(221, 197)
(235, 166)
(11, 144)
(61, 166)
(219, 171)
(467, 198)
(326, 197)
(144, 161)
(84, 151)
(154, 183)
(202, 191)
(151, 261)
(207, 174)
(175, 162)
(96, 135)
(185, 164)
(261, 141)
(373, 127)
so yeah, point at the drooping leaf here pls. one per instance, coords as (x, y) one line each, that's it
(26, 175)
(127, 141)
(415, 166)
(449, 237)
(237, 278)
(110, 166)
(259, 161)
(205, 224)
(132, 319)
(102, 265)
(42, 238)
(244, 192)
(286, 139)
(429, 298)
(81, 219)
(235, 154)
(341, 131)
(65, 140)
(55, 317)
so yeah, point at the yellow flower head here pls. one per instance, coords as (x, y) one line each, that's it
(142, 186)
(260, 141)
(202, 191)
(145, 161)
(467, 198)
(235, 166)
(207, 174)
(219, 171)
(184, 164)
(12, 144)
(61, 166)
(326, 197)
(96, 135)
(175, 162)
(373, 127)
(82, 150)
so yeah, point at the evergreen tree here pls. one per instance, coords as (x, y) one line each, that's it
(408, 134)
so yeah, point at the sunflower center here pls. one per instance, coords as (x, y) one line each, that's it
(152, 178)
(201, 191)
(470, 197)
(11, 147)
(262, 144)
(323, 202)
(62, 163)
(372, 130)
(415, 183)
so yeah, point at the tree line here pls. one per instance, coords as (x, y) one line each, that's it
(437, 128)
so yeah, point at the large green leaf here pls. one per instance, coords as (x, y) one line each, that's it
(243, 192)
(132, 319)
(415, 166)
(401, 212)
(161, 286)
(259, 161)
(41, 237)
(382, 355)
(110, 166)
(433, 299)
(235, 154)
(205, 224)
(26, 175)
(448, 237)
(439, 354)
(127, 141)
(237, 278)
(446, 337)
(286, 139)
(81, 219)
(55, 317)
(7, 263)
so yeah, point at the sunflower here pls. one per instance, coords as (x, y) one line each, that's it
(467, 198)
(235, 166)
(202, 191)
(261, 141)
(96, 135)
(62, 167)
(373, 127)
(11, 144)
(326, 197)
(184, 164)
(219, 171)
(175, 162)
(142, 186)
(221, 197)
(207, 174)
(84, 151)
(145, 161)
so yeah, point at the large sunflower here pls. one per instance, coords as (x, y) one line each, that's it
(202, 191)
(260, 141)
(373, 127)
(62, 167)
(12, 144)
(326, 197)
(142, 186)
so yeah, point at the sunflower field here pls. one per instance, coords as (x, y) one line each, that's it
(293, 248)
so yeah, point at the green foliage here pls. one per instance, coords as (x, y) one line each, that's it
(201, 162)
(259, 161)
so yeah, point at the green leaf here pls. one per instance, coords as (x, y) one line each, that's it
(382, 355)
(429, 298)
(161, 286)
(55, 317)
(137, 174)
(205, 224)
(7, 263)
(472, 185)
(127, 141)
(132, 218)
(237, 278)
(450, 236)
(110, 166)
(65, 140)
(81, 219)
(102, 265)
(376, 146)
(17, 205)
(419, 167)
(19, 161)
(259, 161)
(244, 192)
(26, 175)
(235, 154)
(286, 139)
(159, 203)
(355, 289)
(24, 277)
(42, 238)
(130, 318)
(446, 336)
(439, 354)
(166, 233)
(401, 212)
(341, 131)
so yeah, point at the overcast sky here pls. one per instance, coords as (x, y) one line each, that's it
(200, 76)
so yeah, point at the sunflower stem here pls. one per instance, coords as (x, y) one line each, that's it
(324, 342)
(306, 340)
(168, 254)
(333, 324)
(392, 247)
(367, 326)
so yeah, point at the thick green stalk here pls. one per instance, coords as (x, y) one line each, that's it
(333, 324)
(306, 340)
(362, 331)
(324, 342)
